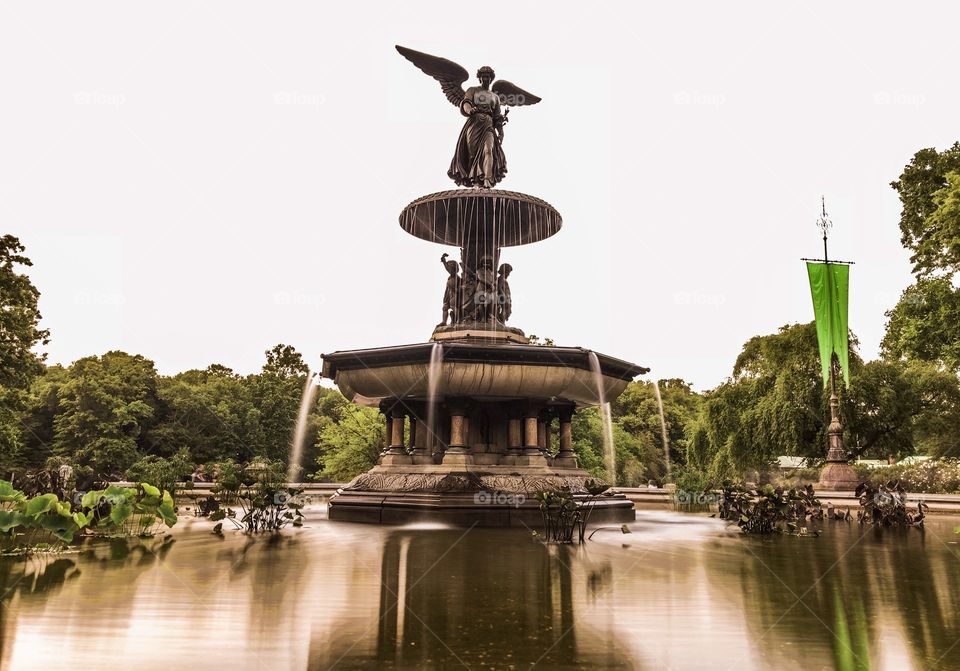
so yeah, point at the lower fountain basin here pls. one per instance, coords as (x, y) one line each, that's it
(484, 371)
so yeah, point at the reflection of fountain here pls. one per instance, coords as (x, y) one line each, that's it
(436, 607)
(663, 428)
(300, 432)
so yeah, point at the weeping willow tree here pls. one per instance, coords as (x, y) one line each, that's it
(773, 404)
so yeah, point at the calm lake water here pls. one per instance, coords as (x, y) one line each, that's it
(680, 592)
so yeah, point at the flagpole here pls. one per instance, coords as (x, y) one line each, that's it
(835, 451)
(837, 474)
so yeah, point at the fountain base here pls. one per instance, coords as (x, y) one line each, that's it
(467, 496)
(474, 429)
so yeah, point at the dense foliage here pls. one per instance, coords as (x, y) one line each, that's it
(886, 505)
(929, 189)
(260, 490)
(123, 511)
(770, 509)
(936, 476)
(19, 335)
(925, 324)
(117, 417)
(775, 403)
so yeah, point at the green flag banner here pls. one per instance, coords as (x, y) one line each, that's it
(829, 286)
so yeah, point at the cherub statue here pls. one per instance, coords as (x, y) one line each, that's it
(451, 295)
(504, 302)
(485, 291)
(479, 159)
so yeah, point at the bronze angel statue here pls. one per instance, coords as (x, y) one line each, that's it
(478, 160)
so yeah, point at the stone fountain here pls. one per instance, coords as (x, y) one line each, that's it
(478, 419)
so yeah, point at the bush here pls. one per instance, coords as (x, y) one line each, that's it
(691, 480)
(165, 473)
(796, 477)
(937, 476)
(770, 509)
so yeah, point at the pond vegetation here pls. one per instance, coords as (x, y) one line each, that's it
(32, 524)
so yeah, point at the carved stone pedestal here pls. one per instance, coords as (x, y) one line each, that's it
(837, 475)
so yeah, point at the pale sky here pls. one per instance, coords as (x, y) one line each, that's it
(198, 181)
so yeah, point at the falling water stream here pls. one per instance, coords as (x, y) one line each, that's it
(663, 428)
(609, 456)
(433, 381)
(300, 432)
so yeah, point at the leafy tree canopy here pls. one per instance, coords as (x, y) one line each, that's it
(19, 335)
(929, 190)
(925, 324)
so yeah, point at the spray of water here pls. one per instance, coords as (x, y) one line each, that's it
(300, 432)
(433, 382)
(609, 455)
(663, 428)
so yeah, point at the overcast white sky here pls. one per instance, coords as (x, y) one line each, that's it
(198, 181)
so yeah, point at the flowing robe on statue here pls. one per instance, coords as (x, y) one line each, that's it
(479, 159)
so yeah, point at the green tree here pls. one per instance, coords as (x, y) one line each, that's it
(928, 222)
(638, 454)
(925, 324)
(19, 335)
(773, 404)
(210, 413)
(350, 443)
(638, 412)
(276, 395)
(285, 361)
(898, 408)
(103, 407)
(38, 419)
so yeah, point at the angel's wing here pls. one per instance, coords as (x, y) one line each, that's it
(513, 96)
(450, 75)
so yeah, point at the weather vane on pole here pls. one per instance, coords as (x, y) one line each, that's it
(824, 224)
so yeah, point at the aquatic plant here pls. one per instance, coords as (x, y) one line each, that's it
(112, 511)
(129, 511)
(563, 513)
(260, 490)
(770, 509)
(886, 505)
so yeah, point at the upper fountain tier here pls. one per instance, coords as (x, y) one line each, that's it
(488, 217)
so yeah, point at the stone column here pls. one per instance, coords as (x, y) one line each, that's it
(543, 430)
(412, 418)
(532, 454)
(458, 451)
(385, 406)
(397, 454)
(514, 439)
(421, 441)
(565, 457)
(531, 434)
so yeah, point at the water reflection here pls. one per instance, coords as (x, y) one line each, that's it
(679, 592)
(870, 597)
(445, 599)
